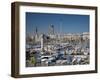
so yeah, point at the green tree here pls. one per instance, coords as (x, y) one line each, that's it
(32, 59)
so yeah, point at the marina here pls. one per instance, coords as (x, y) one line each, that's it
(54, 52)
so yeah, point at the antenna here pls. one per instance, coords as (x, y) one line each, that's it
(60, 26)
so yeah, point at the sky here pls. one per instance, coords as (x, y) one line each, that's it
(64, 23)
